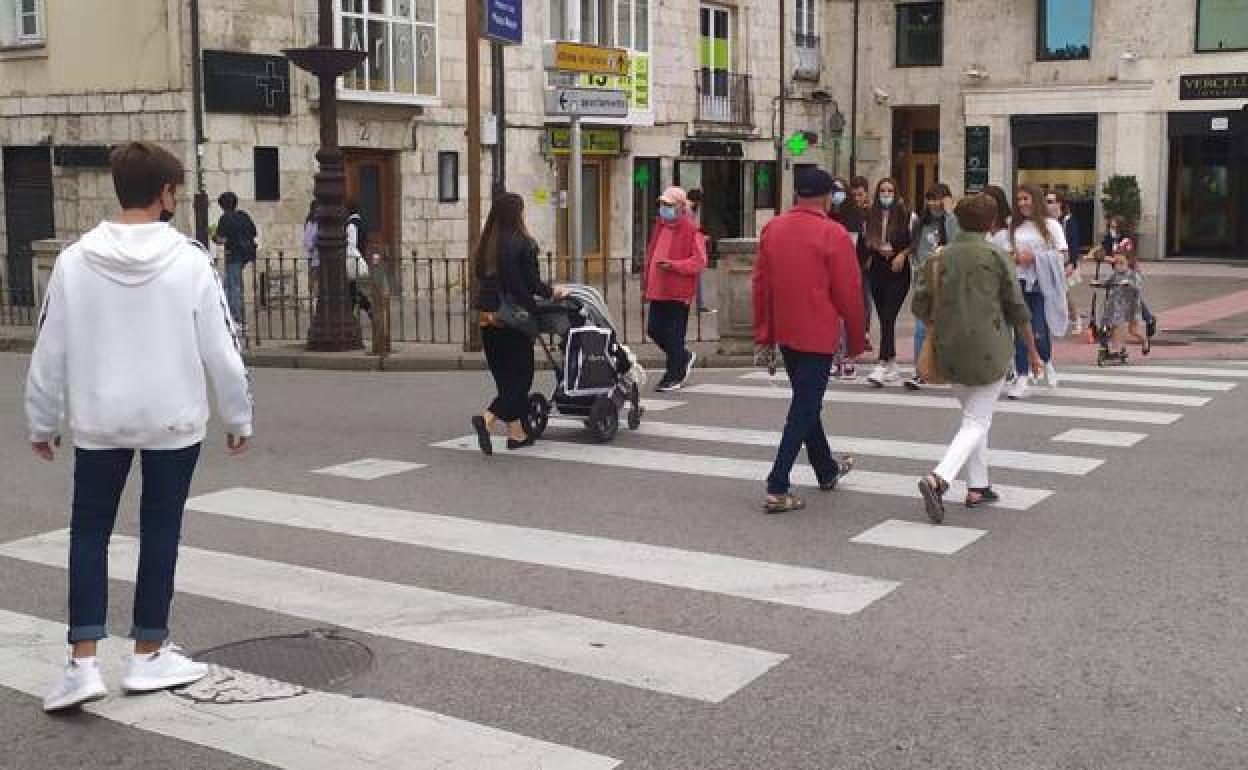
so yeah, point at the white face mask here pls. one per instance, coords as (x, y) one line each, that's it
(838, 197)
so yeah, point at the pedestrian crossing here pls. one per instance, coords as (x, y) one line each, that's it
(330, 730)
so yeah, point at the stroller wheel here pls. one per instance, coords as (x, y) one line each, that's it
(604, 419)
(635, 411)
(539, 414)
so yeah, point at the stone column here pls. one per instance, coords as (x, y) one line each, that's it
(736, 307)
(41, 264)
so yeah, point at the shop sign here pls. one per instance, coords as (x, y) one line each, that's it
(636, 83)
(700, 148)
(246, 83)
(978, 144)
(594, 141)
(1228, 85)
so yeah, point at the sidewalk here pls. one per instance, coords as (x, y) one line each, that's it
(1202, 310)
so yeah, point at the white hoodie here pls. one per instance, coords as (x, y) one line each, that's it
(132, 317)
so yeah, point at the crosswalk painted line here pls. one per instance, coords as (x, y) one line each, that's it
(869, 482)
(369, 469)
(1186, 370)
(651, 660)
(1100, 437)
(906, 450)
(1083, 378)
(1084, 394)
(878, 398)
(659, 404)
(314, 731)
(919, 536)
(731, 576)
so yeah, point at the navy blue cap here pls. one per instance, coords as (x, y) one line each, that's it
(812, 183)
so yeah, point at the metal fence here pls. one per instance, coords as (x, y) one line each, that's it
(17, 305)
(430, 298)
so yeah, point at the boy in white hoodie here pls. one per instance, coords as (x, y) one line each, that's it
(133, 315)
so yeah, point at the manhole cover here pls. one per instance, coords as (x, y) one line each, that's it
(318, 659)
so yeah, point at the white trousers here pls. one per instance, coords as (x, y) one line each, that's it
(970, 446)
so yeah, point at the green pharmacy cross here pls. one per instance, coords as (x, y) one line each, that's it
(797, 144)
(641, 177)
(762, 177)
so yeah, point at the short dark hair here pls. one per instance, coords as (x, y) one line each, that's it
(228, 201)
(141, 170)
(941, 189)
(859, 183)
(976, 213)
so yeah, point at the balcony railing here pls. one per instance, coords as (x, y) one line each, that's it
(724, 97)
(807, 61)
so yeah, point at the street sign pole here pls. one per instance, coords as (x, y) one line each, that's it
(575, 250)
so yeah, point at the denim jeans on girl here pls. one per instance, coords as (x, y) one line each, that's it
(99, 479)
(1039, 328)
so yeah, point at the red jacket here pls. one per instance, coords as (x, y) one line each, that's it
(806, 282)
(682, 244)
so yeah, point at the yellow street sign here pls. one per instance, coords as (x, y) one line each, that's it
(586, 59)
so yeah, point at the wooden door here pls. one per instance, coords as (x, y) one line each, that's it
(372, 183)
(595, 218)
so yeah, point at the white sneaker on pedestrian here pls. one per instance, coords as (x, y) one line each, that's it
(693, 357)
(849, 372)
(1019, 389)
(80, 683)
(891, 372)
(165, 668)
(1050, 374)
(877, 376)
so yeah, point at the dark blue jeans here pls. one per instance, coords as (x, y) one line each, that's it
(1039, 328)
(99, 479)
(808, 375)
(667, 324)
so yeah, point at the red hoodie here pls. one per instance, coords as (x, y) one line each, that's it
(683, 245)
(806, 282)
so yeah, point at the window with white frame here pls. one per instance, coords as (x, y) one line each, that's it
(21, 22)
(401, 38)
(614, 23)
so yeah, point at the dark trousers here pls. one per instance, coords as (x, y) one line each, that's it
(509, 355)
(889, 290)
(808, 376)
(868, 305)
(1039, 329)
(99, 479)
(667, 324)
(359, 299)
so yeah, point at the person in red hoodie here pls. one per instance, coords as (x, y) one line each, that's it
(806, 282)
(675, 258)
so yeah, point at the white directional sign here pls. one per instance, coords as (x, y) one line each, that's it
(587, 102)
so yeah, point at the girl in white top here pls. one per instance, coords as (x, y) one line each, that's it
(1038, 245)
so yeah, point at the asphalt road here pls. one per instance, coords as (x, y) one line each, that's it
(1102, 626)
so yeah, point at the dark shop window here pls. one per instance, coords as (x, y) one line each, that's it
(448, 177)
(1222, 25)
(268, 174)
(1064, 30)
(920, 34)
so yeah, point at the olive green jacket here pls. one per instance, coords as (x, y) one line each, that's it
(974, 310)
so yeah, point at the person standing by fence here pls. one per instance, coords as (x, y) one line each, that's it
(805, 285)
(508, 280)
(675, 258)
(133, 317)
(237, 233)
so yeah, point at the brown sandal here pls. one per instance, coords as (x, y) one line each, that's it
(933, 489)
(843, 466)
(783, 503)
(976, 496)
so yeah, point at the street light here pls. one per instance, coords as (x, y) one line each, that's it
(334, 326)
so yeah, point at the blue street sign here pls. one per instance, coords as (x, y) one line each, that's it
(504, 21)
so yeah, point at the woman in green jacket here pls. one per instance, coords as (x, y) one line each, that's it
(969, 298)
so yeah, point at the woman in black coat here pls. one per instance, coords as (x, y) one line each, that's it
(506, 269)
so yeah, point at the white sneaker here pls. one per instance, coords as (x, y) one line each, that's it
(81, 683)
(1050, 375)
(693, 358)
(165, 668)
(877, 376)
(1018, 390)
(891, 372)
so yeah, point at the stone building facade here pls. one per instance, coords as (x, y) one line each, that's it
(703, 86)
(1064, 93)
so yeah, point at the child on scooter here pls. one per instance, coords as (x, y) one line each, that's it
(1124, 303)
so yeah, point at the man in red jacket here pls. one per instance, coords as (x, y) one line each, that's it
(806, 282)
(675, 258)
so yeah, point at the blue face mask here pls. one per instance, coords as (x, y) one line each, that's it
(838, 197)
(668, 213)
(886, 201)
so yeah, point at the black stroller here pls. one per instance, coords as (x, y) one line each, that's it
(596, 375)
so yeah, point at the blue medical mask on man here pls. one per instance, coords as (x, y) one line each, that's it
(668, 212)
